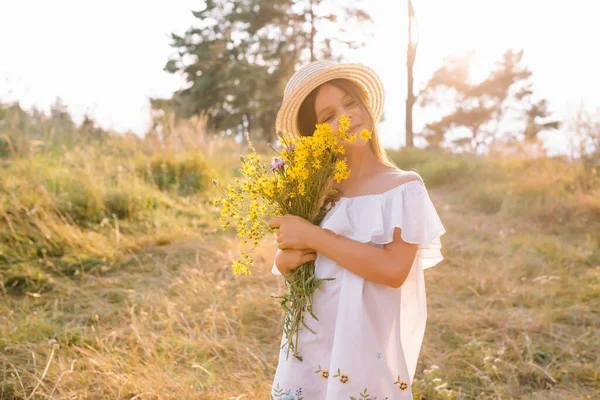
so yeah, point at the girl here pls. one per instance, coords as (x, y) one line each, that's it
(375, 241)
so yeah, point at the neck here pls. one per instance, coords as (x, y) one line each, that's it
(361, 162)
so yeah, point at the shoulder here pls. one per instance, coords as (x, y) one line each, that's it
(399, 177)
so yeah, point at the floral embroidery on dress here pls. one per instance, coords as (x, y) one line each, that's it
(366, 396)
(280, 394)
(344, 378)
(323, 373)
(402, 385)
(378, 356)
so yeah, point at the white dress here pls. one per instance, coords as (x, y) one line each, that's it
(368, 336)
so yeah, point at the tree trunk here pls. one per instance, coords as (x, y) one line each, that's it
(411, 52)
(313, 31)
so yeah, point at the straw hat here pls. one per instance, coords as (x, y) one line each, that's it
(310, 76)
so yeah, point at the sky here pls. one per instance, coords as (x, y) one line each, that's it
(106, 58)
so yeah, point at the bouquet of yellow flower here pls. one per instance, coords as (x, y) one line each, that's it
(299, 182)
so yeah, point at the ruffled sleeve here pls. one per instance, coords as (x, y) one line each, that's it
(416, 215)
(373, 219)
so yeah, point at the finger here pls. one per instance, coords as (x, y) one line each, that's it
(308, 251)
(275, 222)
(308, 257)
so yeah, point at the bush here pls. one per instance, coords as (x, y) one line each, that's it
(78, 211)
(436, 167)
(186, 174)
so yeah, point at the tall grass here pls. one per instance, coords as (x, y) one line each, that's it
(546, 189)
(116, 280)
(83, 210)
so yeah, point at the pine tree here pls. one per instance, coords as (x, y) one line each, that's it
(242, 52)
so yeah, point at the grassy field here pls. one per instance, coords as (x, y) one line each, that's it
(116, 281)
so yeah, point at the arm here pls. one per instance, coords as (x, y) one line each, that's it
(388, 266)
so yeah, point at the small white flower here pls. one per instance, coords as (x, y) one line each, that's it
(440, 387)
(430, 370)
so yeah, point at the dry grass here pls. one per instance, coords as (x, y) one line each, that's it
(173, 325)
(513, 310)
(514, 313)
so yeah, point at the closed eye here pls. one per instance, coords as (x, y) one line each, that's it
(350, 103)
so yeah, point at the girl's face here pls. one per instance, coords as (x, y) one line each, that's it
(331, 102)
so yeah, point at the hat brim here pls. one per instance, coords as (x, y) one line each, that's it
(368, 81)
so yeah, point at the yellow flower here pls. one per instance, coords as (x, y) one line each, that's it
(248, 170)
(340, 166)
(316, 164)
(365, 134)
(239, 268)
(344, 124)
(322, 131)
(301, 189)
(253, 211)
(268, 188)
(292, 173)
(317, 152)
(341, 175)
(351, 138)
(224, 211)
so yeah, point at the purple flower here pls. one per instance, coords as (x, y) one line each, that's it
(277, 164)
(290, 148)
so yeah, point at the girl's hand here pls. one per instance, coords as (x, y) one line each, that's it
(288, 260)
(294, 232)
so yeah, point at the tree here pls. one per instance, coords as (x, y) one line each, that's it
(478, 110)
(90, 131)
(411, 53)
(241, 53)
(584, 135)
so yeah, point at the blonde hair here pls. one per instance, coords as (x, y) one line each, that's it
(307, 117)
(379, 150)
